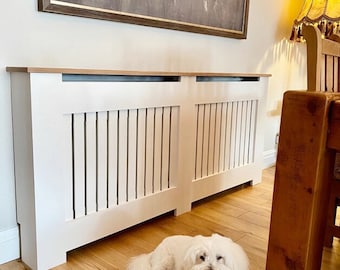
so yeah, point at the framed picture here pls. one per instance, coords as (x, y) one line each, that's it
(227, 18)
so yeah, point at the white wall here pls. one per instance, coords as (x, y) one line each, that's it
(32, 38)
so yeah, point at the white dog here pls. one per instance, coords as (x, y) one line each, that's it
(182, 252)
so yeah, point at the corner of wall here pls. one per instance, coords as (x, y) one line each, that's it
(269, 158)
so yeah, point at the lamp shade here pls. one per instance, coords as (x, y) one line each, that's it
(324, 13)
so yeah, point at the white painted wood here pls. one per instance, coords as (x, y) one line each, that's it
(233, 136)
(68, 169)
(141, 127)
(253, 126)
(211, 140)
(243, 133)
(132, 155)
(107, 156)
(199, 141)
(238, 121)
(149, 151)
(122, 156)
(9, 245)
(113, 158)
(165, 166)
(247, 132)
(79, 165)
(217, 139)
(157, 165)
(91, 162)
(102, 155)
(174, 156)
(228, 147)
(223, 140)
(206, 139)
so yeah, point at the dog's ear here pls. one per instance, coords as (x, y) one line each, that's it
(192, 257)
(235, 256)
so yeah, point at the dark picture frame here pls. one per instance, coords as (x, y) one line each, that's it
(226, 18)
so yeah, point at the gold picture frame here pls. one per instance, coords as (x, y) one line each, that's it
(226, 18)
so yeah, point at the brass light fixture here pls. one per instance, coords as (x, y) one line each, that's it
(323, 13)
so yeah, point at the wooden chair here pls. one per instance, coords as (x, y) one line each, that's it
(323, 69)
(322, 61)
(302, 212)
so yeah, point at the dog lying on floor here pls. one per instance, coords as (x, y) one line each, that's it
(182, 252)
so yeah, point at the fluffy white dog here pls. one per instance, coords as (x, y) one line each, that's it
(182, 252)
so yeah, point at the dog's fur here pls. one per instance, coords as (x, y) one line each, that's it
(182, 252)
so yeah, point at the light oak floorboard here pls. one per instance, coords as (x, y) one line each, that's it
(242, 214)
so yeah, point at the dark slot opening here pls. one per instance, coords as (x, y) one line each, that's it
(227, 79)
(117, 78)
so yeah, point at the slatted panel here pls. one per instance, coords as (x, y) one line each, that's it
(119, 156)
(225, 136)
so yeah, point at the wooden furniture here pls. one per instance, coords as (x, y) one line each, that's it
(323, 64)
(323, 69)
(304, 171)
(98, 151)
(306, 191)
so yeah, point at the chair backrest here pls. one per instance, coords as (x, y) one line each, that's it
(323, 61)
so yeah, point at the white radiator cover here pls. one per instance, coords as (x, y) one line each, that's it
(97, 154)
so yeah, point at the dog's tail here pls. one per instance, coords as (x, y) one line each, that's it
(140, 262)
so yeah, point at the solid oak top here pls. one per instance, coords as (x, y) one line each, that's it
(128, 72)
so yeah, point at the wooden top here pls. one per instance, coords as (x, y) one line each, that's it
(128, 72)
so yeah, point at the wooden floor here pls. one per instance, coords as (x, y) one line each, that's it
(243, 215)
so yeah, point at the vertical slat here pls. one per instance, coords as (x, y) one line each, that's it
(173, 157)
(69, 169)
(329, 73)
(336, 74)
(217, 137)
(252, 131)
(79, 165)
(141, 125)
(247, 132)
(101, 160)
(113, 158)
(228, 137)
(91, 163)
(157, 159)
(238, 134)
(223, 136)
(323, 74)
(233, 135)
(150, 125)
(165, 148)
(205, 145)
(199, 140)
(243, 133)
(211, 147)
(122, 155)
(132, 155)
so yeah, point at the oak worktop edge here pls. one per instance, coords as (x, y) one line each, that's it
(128, 72)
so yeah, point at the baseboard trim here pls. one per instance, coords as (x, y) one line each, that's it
(9, 245)
(269, 158)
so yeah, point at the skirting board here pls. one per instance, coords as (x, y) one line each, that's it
(269, 158)
(9, 245)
